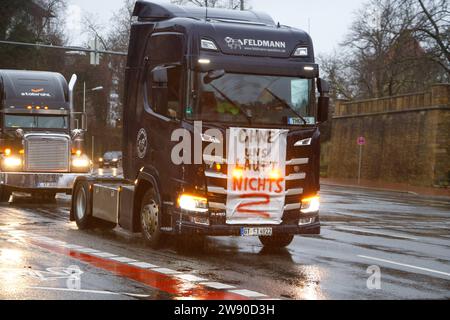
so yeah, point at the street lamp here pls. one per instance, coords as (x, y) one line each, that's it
(99, 88)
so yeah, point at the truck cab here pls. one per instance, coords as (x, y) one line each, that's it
(220, 133)
(40, 150)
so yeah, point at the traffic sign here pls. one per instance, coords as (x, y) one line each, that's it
(361, 141)
(95, 56)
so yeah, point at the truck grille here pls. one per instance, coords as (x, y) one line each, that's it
(47, 153)
(217, 185)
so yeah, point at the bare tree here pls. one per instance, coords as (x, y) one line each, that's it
(392, 47)
(336, 68)
(433, 26)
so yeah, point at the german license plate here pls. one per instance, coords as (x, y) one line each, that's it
(255, 232)
(47, 184)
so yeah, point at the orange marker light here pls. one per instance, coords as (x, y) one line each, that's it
(22, 151)
(218, 167)
(29, 107)
(7, 152)
(238, 173)
(46, 107)
(275, 174)
(38, 107)
(78, 153)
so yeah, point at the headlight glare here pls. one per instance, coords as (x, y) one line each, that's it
(310, 205)
(12, 162)
(193, 203)
(80, 162)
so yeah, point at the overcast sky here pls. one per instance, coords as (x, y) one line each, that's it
(327, 20)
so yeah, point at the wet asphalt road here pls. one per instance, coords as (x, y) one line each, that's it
(404, 237)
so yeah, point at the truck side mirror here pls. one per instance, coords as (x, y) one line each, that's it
(323, 104)
(323, 86)
(213, 75)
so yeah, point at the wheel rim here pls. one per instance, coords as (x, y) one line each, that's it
(81, 204)
(149, 218)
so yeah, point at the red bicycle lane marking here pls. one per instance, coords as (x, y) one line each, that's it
(153, 279)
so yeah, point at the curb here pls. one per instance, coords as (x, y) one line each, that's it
(420, 195)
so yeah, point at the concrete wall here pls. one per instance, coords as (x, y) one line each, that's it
(408, 138)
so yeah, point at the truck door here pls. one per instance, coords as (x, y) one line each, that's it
(163, 86)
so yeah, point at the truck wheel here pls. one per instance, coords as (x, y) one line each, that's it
(151, 219)
(279, 241)
(82, 206)
(5, 194)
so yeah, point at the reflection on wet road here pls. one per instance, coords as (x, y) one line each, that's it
(404, 237)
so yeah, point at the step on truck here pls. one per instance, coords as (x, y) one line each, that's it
(41, 150)
(220, 131)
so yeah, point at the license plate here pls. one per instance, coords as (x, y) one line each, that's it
(48, 185)
(255, 232)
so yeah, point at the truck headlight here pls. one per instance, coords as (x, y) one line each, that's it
(80, 162)
(310, 205)
(12, 162)
(193, 203)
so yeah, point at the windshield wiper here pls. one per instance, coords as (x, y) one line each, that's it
(286, 104)
(243, 110)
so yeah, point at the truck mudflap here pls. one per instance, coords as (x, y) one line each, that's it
(38, 181)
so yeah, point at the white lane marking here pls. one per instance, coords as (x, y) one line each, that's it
(91, 291)
(143, 265)
(44, 239)
(248, 293)
(104, 254)
(123, 259)
(217, 285)
(376, 232)
(405, 265)
(190, 278)
(73, 246)
(166, 271)
(87, 250)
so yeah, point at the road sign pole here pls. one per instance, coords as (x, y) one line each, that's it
(83, 124)
(92, 147)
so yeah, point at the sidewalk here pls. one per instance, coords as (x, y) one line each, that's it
(393, 187)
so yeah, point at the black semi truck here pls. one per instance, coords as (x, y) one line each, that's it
(220, 134)
(41, 150)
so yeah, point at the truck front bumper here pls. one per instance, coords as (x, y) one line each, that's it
(185, 227)
(62, 182)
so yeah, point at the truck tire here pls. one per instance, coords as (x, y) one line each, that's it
(278, 241)
(82, 206)
(150, 218)
(5, 194)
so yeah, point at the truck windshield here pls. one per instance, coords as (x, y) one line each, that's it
(36, 122)
(258, 99)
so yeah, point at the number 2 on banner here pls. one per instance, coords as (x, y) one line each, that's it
(243, 207)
